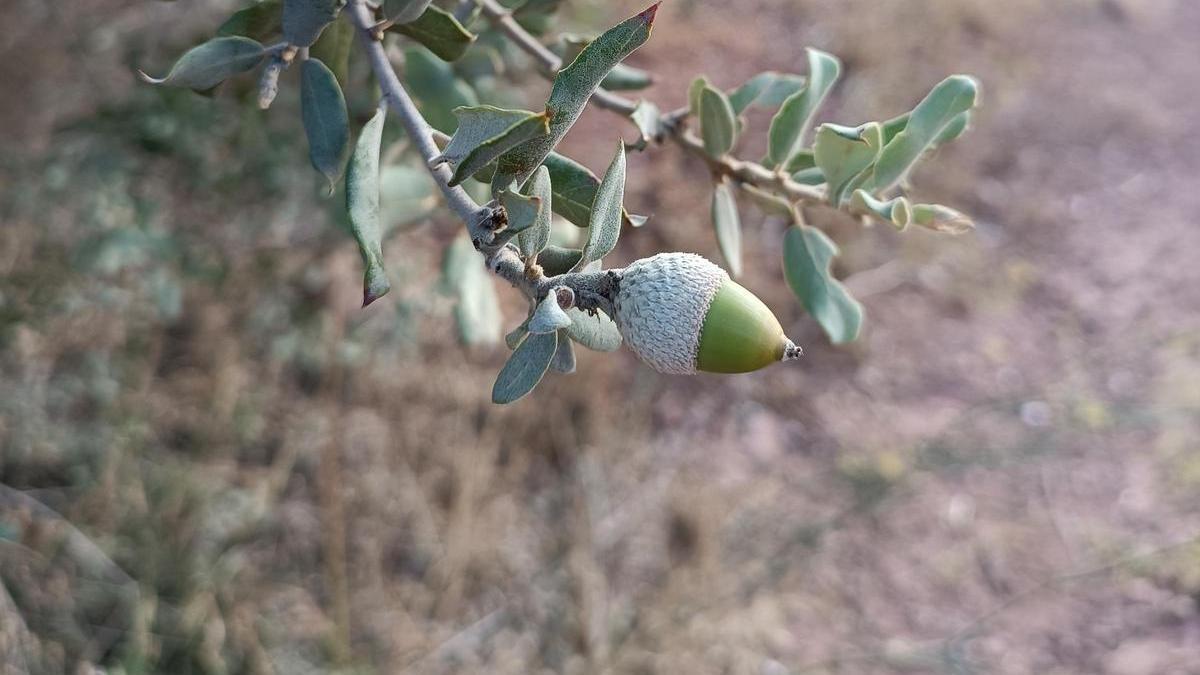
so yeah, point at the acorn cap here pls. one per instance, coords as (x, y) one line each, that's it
(681, 313)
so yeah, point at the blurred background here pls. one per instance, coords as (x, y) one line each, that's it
(212, 461)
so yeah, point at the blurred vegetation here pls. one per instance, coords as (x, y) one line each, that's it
(211, 461)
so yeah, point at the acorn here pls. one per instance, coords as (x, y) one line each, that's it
(681, 313)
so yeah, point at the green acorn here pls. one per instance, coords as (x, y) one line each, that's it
(681, 313)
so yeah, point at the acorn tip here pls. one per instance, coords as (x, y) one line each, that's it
(791, 350)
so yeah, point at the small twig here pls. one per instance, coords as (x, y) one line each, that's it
(746, 172)
(593, 290)
(268, 84)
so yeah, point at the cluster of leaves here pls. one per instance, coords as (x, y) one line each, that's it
(506, 155)
(859, 168)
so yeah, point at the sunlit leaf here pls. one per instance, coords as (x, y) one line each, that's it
(896, 212)
(648, 121)
(204, 67)
(728, 227)
(697, 86)
(765, 90)
(575, 189)
(486, 132)
(796, 113)
(525, 367)
(326, 123)
(718, 127)
(807, 255)
(438, 30)
(522, 210)
(534, 239)
(573, 86)
(621, 78)
(604, 227)
(938, 111)
(941, 219)
(548, 316)
(362, 203)
(842, 153)
(595, 331)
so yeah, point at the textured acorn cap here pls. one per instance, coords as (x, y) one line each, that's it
(680, 313)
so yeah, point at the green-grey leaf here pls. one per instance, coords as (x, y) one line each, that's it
(405, 11)
(694, 90)
(333, 48)
(203, 67)
(897, 212)
(573, 86)
(478, 309)
(513, 337)
(257, 22)
(648, 121)
(961, 123)
(304, 20)
(718, 126)
(326, 123)
(604, 227)
(728, 227)
(620, 78)
(842, 153)
(800, 161)
(765, 90)
(770, 203)
(486, 132)
(438, 92)
(810, 176)
(362, 203)
(954, 129)
(525, 367)
(796, 113)
(548, 316)
(626, 78)
(927, 123)
(522, 210)
(438, 30)
(557, 260)
(807, 254)
(564, 356)
(407, 195)
(575, 189)
(534, 239)
(941, 219)
(595, 331)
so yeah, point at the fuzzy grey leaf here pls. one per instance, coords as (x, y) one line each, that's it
(525, 367)
(326, 122)
(605, 224)
(204, 67)
(362, 203)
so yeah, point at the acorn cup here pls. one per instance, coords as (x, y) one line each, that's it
(681, 313)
